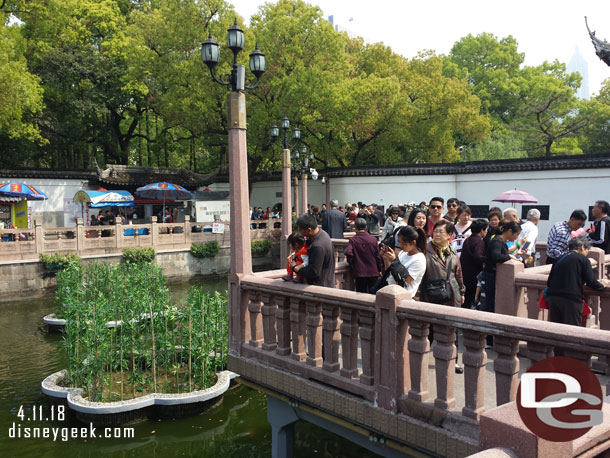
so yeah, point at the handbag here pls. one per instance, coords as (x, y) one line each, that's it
(439, 291)
(399, 273)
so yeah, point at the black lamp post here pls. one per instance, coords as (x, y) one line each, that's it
(274, 133)
(210, 54)
(241, 253)
(301, 163)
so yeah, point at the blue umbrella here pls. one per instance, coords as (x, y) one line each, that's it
(21, 190)
(163, 191)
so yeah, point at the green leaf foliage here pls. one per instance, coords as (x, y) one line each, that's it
(261, 247)
(205, 250)
(59, 261)
(144, 255)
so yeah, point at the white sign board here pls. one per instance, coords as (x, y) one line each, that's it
(218, 228)
(213, 210)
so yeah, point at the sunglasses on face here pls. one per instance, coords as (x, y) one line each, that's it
(453, 205)
(436, 207)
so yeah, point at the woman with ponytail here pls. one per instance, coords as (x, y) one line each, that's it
(497, 253)
(412, 258)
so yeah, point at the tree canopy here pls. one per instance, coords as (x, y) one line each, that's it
(122, 81)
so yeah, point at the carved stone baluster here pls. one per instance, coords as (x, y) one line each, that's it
(533, 305)
(256, 319)
(506, 367)
(341, 253)
(339, 280)
(330, 326)
(475, 359)
(367, 346)
(282, 316)
(269, 330)
(444, 353)
(583, 357)
(297, 325)
(419, 348)
(314, 333)
(349, 342)
(537, 351)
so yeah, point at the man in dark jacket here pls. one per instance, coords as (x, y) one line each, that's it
(334, 222)
(599, 233)
(565, 284)
(372, 221)
(321, 268)
(362, 254)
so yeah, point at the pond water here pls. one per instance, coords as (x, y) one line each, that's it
(237, 426)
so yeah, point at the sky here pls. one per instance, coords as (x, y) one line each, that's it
(544, 29)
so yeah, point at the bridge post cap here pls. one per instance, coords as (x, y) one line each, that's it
(393, 292)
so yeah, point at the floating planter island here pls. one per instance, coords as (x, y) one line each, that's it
(131, 353)
(155, 405)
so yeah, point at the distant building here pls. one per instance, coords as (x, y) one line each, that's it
(580, 65)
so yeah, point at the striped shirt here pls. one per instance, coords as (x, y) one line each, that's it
(557, 242)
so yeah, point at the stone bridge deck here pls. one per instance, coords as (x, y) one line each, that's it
(366, 361)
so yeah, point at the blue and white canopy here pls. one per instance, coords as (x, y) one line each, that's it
(98, 199)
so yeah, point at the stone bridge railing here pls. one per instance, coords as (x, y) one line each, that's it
(21, 244)
(377, 349)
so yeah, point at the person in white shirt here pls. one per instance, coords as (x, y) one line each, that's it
(412, 242)
(529, 234)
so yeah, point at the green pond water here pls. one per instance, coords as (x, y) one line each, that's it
(236, 427)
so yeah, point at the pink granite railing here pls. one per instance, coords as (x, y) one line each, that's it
(518, 290)
(377, 347)
(21, 244)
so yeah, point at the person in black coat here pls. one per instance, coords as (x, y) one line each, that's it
(334, 222)
(472, 259)
(565, 283)
(497, 253)
(320, 270)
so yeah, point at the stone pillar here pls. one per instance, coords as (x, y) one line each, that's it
(187, 230)
(286, 206)
(303, 194)
(154, 231)
(118, 232)
(327, 193)
(509, 298)
(391, 365)
(39, 236)
(80, 235)
(241, 251)
(281, 417)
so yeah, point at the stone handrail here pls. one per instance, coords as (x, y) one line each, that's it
(22, 244)
(315, 332)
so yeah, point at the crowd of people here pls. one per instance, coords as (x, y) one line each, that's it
(445, 256)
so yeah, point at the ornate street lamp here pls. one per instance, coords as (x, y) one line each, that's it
(210, 54)
(241, 254)
(301, 163)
